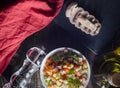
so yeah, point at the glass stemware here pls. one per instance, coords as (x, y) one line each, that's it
(22, 77)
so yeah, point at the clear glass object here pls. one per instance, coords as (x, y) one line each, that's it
(22, 77)
(108, 69)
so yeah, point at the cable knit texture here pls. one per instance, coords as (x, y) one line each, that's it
(20, 20)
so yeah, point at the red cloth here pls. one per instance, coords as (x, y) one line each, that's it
(22, 20)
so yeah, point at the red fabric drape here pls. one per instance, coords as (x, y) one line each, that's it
(22, 20)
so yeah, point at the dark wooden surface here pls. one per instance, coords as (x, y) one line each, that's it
(51, 37)
(54, 36)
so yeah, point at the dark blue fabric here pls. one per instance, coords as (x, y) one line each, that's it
(106, 11)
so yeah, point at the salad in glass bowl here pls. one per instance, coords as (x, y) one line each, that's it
(65, 68)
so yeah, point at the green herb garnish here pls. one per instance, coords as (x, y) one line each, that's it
(56, 58)
(76, 82)
(71, 72)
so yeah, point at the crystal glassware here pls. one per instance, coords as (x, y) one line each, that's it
(22, 77)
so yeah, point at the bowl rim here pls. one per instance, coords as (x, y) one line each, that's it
(60, 49)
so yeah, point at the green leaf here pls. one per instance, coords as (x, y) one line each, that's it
(75, 57)
(71, 80)
(71, 72)
(58, 76)
(57, 58)
(76, 82)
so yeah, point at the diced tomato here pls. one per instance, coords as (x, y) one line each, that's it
(84, 63)
(44, 71)
(48, 62)
(64, 76)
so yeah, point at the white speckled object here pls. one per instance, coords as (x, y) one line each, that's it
(82, 19)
